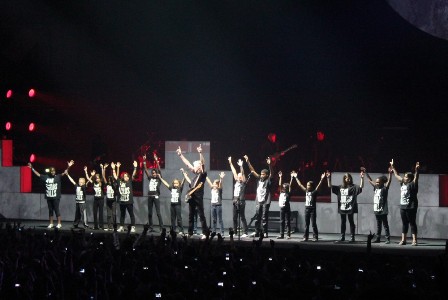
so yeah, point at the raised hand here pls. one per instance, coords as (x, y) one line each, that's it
(135, 164)
(222, 174)
(70, 163)
(144, 157)
(293, 174)
(118, 164)
(155, 156)
(106, 165)
(199, 148)
(229, 159)
(112, 165)
(30, 165)
(101, 166)
(92, 173)
(392, 163)
(322, 176)
(328, 174)
(85, 168)
(182, 170)
(390, 170)
(363, 169)
(240, 162)
(179, 151)
(417, 166)
(268, 160)
(246, 158)
(280, 174)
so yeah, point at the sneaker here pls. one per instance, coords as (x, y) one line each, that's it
(288, 237)
(414, 243)
(50, 226)
(280, 237)
(315, 239)
(244, 235)
(59, 226)
(387, 241)
(106, 229)
(266, 235)
(133, 229)
(252, 234)
(203, 236)
(305, 239)
(376, 241)
(120, 229)
(402, 243)
(86, 225)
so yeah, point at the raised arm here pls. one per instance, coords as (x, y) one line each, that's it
(280, 175)
(114, 170)
(209, 182)
(368, 176)
(201, 157)
(389, 177)
(103, 172)
(221, 176)
(328, 174)
(69, 164)
(134, 172)
(69, 177)
(294, 175)
(361, 184)
(89, 179)
(34, 170)
(240, 163)
(185, 175)
(185, 161)
(399, 178)
(235, 175)
(416, 175)
(320, 182)
(163, 180)
(268, 160)
(252, 170)
(145, 167)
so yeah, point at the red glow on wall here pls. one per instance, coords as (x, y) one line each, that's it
(25, 180)
(7, 153)
(32, 157)
(320, 136)
(272, 137)
(8, 94)
(31, 127)
(8, 125)
(443, 190)
(31, 93)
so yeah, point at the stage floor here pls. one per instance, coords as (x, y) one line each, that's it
(425, 247)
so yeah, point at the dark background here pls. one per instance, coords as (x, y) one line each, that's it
(117, 78)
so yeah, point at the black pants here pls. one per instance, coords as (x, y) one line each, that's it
(239, 207)
(98, 208)
(53, 206)
(80, 214)
(310, 215)
(130, 209)
(262, 217)
(285, 215)
(111, 207)
(152, 200)
(408, 217)
(380, 221)
(176, 213)
(350, 220)
(192, 205)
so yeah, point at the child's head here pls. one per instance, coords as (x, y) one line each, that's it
(264, 174)
(285, 188)
(176, 183)
(110, 179)
(380, 181)
(154, 173)
(81, 181)
(97, 178)
(309, 186)
(125, 176)
(408, 177)
(240, 177)
(52, 171)
(347, 180)
(215, 184)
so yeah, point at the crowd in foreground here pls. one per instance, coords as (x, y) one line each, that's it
(51, 264)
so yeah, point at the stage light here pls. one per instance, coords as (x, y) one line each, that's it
(8, 94)
(320, 136)
(8, 125)
(31, 127)
(32, 158)
(31, 93)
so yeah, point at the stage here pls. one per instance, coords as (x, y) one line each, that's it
(326, 242)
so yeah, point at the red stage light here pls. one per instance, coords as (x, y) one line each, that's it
(320, 136)
(32, 158)
(8, 94)
(31, 127)
(31, 93)
(8, 125)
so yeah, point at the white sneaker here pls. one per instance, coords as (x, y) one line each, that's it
(120, 229)
(244, 235)
(50, 226)
(252, 234)
(133, 229)
(59, 226)
(203, 236)
(106, 229)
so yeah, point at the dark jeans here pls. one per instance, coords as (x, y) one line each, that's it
(130, 209)
(262, 217)
(176, 213)
(192, 205)
(310, 215)
(53, 206)
(285, 213)
(111, 207)
(152, 200)
(217, 214)
(98, 208)
(350, 220)
(239, 208)
(80, 214)
(380, 221)
(408, 217)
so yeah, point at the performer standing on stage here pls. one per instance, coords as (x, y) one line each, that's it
(239, 203)
(197, 191)
(153, 192)
(216, 202)
(126, 199)
(347, 194)
(111, 199)
(408, 202)
(285, 207)
(98, 198)
(80, 197)
(310, 205)
(52, 191)
(380, 205)
(263, 198)
(175, 188)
